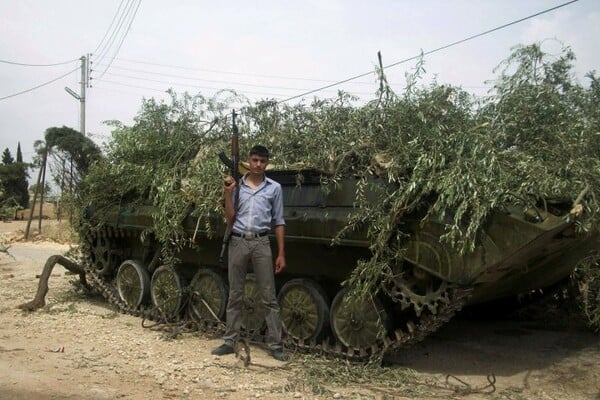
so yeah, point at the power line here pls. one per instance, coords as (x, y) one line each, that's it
(200, 80)
(39, 86)
(191, 77)
(484, 33)
(110, 41)
(127, 92)
(131, 86)
(122, 40)
(216, 88)
(278, 95)
(37, 65)
(432, 51)
(109, 27)
(231, 72)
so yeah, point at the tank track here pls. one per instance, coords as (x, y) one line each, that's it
(449, 303)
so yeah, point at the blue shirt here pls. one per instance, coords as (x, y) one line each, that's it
(259, 209)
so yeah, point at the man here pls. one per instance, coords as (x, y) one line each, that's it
(260, 208)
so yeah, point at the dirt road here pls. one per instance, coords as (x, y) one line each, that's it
(78, 347)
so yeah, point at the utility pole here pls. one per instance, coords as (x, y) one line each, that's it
(37, 189)
(81, 96)
(82, 86)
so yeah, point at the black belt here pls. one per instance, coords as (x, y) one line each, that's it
(250, 235)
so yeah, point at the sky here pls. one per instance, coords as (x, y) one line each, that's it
(262, 49)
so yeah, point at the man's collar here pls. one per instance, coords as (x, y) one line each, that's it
(265, 180)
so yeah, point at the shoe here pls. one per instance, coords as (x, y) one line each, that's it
(222, 350)
(279, 355)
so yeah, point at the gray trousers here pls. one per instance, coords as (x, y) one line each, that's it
(241, 253)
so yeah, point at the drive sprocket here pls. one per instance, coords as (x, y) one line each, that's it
(414, 287)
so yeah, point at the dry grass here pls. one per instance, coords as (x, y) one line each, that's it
(52, 230)
(48, 211)
(60, 232)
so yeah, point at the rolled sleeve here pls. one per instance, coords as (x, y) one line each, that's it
(277, 207)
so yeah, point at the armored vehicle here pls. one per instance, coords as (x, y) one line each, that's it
(517, 250)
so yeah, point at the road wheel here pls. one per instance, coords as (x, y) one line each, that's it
(304, 310)
(253, 312)
(358, 324)
(167, 291)
(133, 283)
(208, 292)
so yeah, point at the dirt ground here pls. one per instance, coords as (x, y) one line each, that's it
(78, 347)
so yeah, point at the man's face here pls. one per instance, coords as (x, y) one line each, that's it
(258, 164)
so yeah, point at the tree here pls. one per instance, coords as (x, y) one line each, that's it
(14, 179)
(47, 189)
(7, 157)
(19, 154)
(549, 124)
(22, 184)
(71, 155)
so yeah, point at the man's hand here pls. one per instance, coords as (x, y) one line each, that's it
(280, 260)
(279, 263)
(229, 184)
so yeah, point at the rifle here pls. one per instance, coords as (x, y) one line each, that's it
(234, 171)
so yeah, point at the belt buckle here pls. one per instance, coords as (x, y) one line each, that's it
(249, 236)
